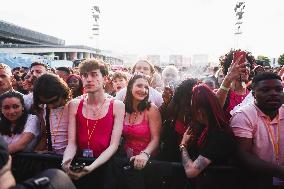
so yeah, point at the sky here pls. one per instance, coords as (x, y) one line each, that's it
(162, 27)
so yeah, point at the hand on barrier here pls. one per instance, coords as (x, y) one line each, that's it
(80, 173)
(140, 161)
(66, 165)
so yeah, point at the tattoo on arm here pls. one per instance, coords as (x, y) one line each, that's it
(200, 163)
(185, 157)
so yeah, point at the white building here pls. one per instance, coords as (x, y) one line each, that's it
(154, 59)
(200, 60)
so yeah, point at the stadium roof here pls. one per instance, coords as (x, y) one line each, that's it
(16, 34)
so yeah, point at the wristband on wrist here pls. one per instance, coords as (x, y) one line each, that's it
(148, 155)
(181, 147)
(62, 163)
(224, 88)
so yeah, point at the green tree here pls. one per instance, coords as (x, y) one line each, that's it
(263, 60)
(281, 59)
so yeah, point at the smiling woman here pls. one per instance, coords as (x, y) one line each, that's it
(19, 129)
(141, 128)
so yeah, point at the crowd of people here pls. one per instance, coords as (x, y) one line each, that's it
(233, 116)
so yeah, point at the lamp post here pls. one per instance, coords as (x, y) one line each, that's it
(239, 11)
(95, 28)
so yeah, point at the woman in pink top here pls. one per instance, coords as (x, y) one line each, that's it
(142, 123)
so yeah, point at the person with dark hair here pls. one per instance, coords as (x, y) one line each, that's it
(75, 83)
(146, 68)
(55, 112)
(18, 128)
(209, 139)
(63, 72)
(16, 70)
(142, 123)
(257, 70)
(233, 88)
(95, 126)
(27, 85)
(141, 131)
(259, 128)
(17, 80)
(36, 70)
(176, 116)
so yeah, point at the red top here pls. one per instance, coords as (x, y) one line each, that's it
(180, 128)
(136, 136)
(235, 99)
(101, 135)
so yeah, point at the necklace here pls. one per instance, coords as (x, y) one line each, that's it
(131, 120)
(90, 134)
(98, 109)
(58, 123)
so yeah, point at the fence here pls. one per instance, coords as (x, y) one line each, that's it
(164, 175)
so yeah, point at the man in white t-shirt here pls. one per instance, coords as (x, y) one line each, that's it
(37, 69)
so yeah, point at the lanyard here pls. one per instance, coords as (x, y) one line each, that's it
(58, 123)
(276, 144)
(98, 112)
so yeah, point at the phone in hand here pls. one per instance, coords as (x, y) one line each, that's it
(129, 165)
(238, 54)
(77, 167)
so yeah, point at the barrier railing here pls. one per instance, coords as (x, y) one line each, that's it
(163, 175)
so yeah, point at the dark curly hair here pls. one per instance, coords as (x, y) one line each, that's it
(182, 98)
(80, 90)
(227, 59)
(5, 124)
(128, 101)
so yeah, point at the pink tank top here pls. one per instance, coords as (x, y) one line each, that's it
(137, 136)
(100, 137)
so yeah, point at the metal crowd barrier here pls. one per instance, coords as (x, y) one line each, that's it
(164, 175)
